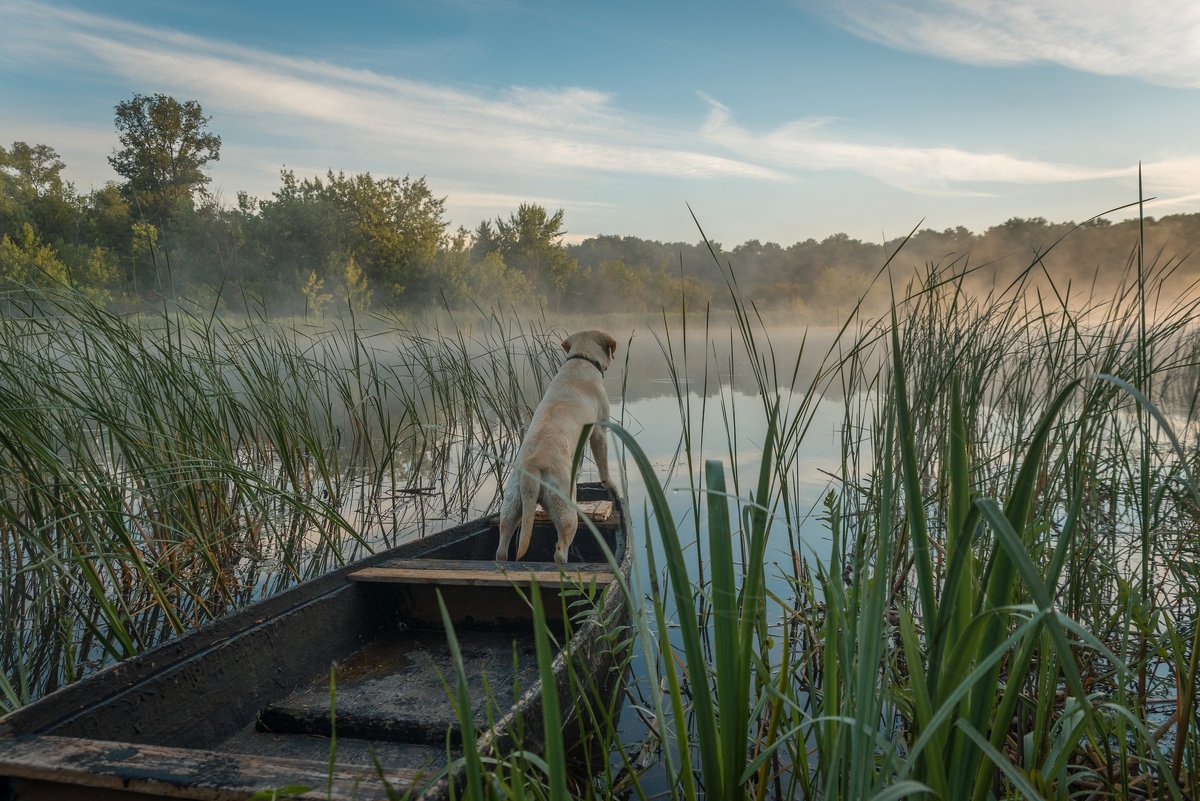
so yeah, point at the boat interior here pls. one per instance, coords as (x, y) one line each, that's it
(355, 664)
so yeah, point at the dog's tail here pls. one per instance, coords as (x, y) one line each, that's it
(530, 489)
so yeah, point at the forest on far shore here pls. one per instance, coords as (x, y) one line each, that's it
(320, 243)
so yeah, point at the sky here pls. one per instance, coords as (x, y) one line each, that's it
(775, 120)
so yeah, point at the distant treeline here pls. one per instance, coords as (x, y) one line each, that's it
(321, 242)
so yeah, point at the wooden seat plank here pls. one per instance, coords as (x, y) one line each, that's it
(485, 573)
(181, 772)
(597, 511)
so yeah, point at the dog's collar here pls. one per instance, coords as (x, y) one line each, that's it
(588, 359)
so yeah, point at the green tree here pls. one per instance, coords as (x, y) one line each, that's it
(492, 283)
(92, 270)
(528, 237)
(392, 227)
(32, 191)
(625, 287)
(485, 241)
(38, 166)
(164, 147)
(108, 220)
(293, 233)
(451, 275)
(207, 244)
(315, 298)
(355, 289)
(530, 240)
(467, 280)
(144, 256)
(396, 226)
(28, 260)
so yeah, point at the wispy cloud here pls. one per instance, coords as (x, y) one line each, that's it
(498, 147)
(1157, 40)
(808, 145)
(469, 198)
(522, 128)
(1172, 182)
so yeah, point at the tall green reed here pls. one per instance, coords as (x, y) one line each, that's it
(990, 636)
(983, 624)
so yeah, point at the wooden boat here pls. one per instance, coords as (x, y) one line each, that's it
(243, 704)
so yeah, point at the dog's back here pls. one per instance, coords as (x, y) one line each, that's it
(574, 399)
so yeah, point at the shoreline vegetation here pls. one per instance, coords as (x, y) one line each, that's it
(1008, 608)
(352, 242)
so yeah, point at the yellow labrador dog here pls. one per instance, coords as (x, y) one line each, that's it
(542, 471)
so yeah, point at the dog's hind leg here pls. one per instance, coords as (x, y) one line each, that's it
(599, 441)
(562, 513)
(517, 509)
(530, 488)
(510, 517)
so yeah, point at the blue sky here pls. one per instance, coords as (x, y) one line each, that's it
(773, 120)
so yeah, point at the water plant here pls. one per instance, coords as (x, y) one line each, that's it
(982, 625)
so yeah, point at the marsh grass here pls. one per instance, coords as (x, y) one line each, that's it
(159, 470)
(1006, 608)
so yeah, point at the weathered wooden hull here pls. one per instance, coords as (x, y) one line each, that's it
(243, 705)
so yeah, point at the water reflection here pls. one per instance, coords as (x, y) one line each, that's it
(731, 429)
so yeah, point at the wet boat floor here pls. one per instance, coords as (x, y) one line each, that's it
(392, 700)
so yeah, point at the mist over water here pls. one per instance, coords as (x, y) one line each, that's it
(668, 378)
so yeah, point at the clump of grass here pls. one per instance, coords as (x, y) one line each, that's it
(157, 471)
(1005, 606)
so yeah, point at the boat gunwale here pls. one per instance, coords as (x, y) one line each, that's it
(109, 685)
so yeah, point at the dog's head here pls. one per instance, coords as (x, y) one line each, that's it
(596, 344)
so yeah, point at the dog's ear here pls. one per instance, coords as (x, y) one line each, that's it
(611, 345)
(566, 344)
